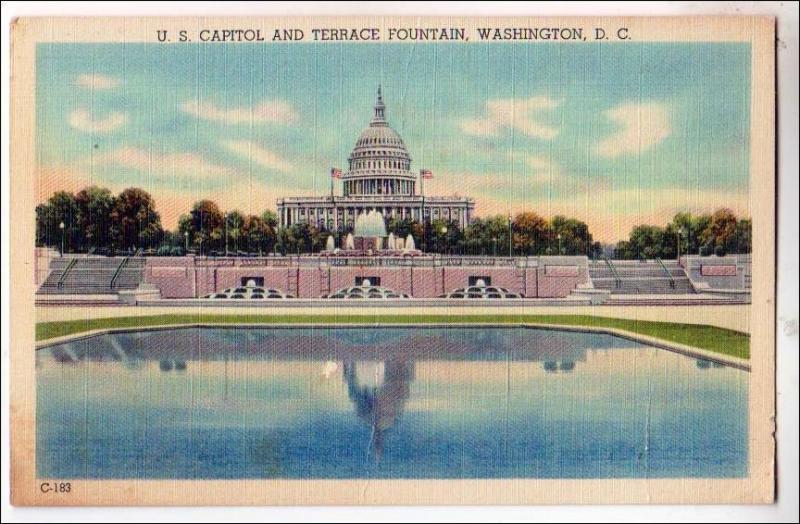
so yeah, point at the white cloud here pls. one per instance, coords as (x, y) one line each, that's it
(261, 156)
(168, 166)
(277, 111)
(542, 169)
(516, 114)
(536, 173)
(640, 127)
(82, 120)
(97, 81)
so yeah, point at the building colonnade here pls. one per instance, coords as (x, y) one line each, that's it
(326, 215)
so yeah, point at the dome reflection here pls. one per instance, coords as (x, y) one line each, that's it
(379, 391)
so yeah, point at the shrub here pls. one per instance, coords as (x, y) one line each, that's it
(720, 251)
(705, 251)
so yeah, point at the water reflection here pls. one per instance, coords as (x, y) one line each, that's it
(383, 403)
(708, 364)
(172, 365)
(555, 349)
(565, 366)
(379, 390)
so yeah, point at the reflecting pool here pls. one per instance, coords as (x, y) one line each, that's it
(384, 402)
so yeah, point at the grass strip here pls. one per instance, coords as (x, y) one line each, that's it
(719, 340)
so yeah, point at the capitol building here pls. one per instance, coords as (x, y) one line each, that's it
(379, 179)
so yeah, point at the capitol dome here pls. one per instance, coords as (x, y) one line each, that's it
(381, 135)
(379, 163)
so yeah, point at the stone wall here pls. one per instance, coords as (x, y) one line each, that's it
(312, 277)
(720, 273)
(558, 276)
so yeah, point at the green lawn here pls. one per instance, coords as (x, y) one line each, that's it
(719, 340)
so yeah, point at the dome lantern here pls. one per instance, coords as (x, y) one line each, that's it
(380, 108)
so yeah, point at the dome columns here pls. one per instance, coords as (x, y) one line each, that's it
(379, 186)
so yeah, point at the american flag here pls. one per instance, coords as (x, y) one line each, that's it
(425, 173)
(336, 172)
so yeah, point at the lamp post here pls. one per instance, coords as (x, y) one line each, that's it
(225, 216)
(444, 233)
(494, 242)
(510, 237)
(558, 236)
(185, 242)
(678, 250)
(63, 235)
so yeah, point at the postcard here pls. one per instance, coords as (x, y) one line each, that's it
(388, 260)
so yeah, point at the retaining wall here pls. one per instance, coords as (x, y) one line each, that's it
(717, 273)
(312, 277)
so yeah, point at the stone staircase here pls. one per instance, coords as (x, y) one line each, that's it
(130, 274)
(631, 277)
(57, 268)
(93, 276)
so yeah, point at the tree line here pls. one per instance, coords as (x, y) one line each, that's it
(719, 233)
(207, 229)
(500, 235)
(95, 220)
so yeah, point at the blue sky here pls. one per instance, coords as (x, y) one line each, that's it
(614, 134)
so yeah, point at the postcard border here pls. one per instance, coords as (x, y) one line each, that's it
(758, 488)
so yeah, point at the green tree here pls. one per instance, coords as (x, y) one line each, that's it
(204, 226)
(690, 229)
(701, 232)
(623, 250)
(135, 222)
(301, 238)
(575, 236)
(94, 210)
(59, 208)
(45, 218)
(172, 243)
(487, 236)
(530, 234)
(259, 235)
(645, 242)
(743, 239)
(721, 231)
(270, 218)
(444, 236)
(683, 229)
(401, 227)
(233, 230)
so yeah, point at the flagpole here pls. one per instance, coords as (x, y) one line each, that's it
(422, 192)
(333, 201)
